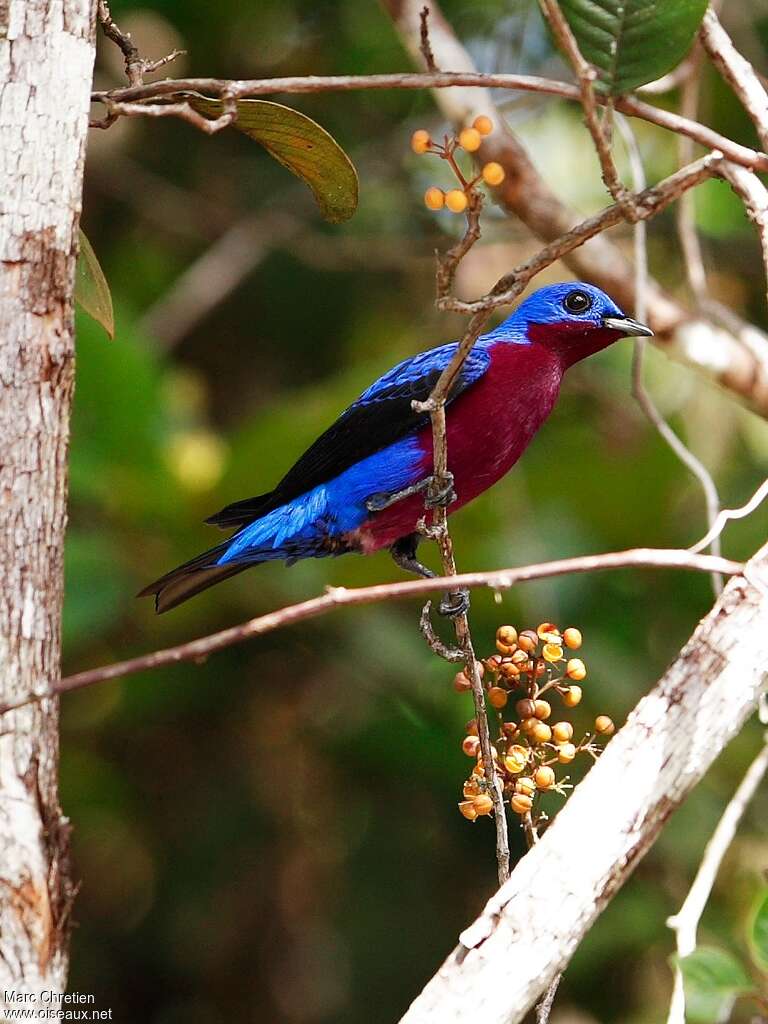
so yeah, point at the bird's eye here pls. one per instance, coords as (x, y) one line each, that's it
(577, 302)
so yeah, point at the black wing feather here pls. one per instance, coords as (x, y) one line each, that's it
(382, 416)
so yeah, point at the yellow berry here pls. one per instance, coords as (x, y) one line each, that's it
(497, 697)
(541, 732)
(527, 724)
(456, 200)
(483, 124)
(470, 140)
(434, 198)
(572, 637)
(526, 708)
(505, 649)
(467, 808)
(528, 641)
(520, 803)
(542, 709)
(576, 669)
(518, 751)
(525, 785)
(461, 683)
(483, 804)
(420, 141)
(506, 635)
(471, 746)
(493, 174)
(566, 753)
(545, 629)
(544, 777)
(604, 725)
(572, 696)
(562, 732)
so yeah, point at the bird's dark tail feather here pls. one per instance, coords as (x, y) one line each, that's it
(189, 579)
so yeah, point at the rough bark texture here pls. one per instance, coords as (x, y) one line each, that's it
(529, 930)
(46, 63)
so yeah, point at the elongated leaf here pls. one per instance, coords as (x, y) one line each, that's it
(632, 42)
(91, 288)
(713, 979)
(758, 933)
(299, 144)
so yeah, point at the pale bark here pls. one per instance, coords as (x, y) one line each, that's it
(529, 930)
(46, 63)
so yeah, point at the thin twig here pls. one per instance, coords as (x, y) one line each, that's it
(686, 210)
(181, 110)
(240, 89)
(647, 203)
(426, 47)
(685, 922)
(754, 196)
(727, 514)
(338, 597)
(441, 649)
(544, 1008)
(586, 76)
(737, 72)
(135, 65)
(639, 390)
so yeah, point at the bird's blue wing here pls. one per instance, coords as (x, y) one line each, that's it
(380, 416)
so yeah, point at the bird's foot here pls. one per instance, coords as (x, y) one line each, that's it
(438, 496)
(454, 604)
(440, 492)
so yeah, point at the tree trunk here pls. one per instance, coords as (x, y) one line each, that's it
(46, 64)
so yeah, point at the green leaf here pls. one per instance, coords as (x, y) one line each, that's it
(713, 979)
(91, 288)
(299, 144)
(758, 933)
(632, 42)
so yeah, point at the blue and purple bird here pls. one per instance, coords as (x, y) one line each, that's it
(361, 486)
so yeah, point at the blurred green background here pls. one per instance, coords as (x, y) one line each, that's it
(273, 835)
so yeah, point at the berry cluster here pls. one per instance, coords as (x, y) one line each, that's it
(528, 664)
(469, 139)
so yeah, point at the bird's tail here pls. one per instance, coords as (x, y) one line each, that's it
(191, 578)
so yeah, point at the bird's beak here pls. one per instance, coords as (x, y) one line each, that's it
(627, 326)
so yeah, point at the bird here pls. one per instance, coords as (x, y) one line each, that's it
(361, 486)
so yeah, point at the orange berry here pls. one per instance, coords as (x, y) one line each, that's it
(471, 788)
(572, 637)
(510, 729)
(493, 174)
(509, 670)
(420, 141)
(520, 803)
(527, 724)
(541, 732)
(604, 725)
(434, 198)
(456, 200)
(483, 804)
(528, 641)
(576, 669)
(562, 732)
(470, 139)
(546, 629)
(483, 124)
(506, 635)
(505, 649)
(467, 808)
(461, 683)
(471, 746)
(493, 663)
(525, 785)
(497, 697)
(566, 753)
(544, 777)
(479, 769)
(572, 696)
(542, 709)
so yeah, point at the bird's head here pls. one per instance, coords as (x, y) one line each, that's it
(573, 319)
